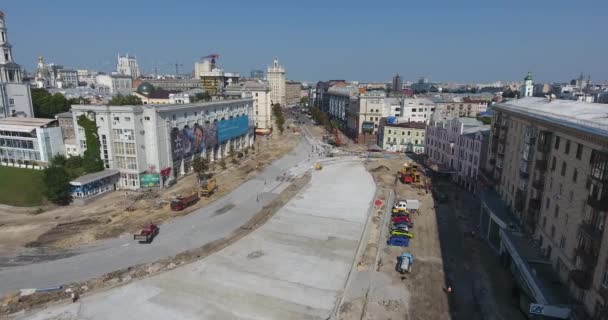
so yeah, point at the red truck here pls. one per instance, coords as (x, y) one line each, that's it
(180, 203)
(147, 234)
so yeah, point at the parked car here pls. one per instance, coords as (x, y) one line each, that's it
(400, 233)
(402, 219)
(398, 241)
(403, 224)
(404, 263)
(400, 228)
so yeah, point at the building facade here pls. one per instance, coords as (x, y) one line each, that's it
(67, 78)
(402, 137)
(293, 93)
(172, 84)
(29, 142)
(276, 78)
(127, 66)
(371, 109)
(416, 110)
(213, 78)
(160, 142)
(15, 96)
(443, 143)
(66, 123)
(472, 149)
(113, 84)
(548, 164)
(86, 77)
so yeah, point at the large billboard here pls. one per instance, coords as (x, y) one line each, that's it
(232, 128)
(188, 141)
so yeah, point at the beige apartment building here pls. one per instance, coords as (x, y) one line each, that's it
(546, 205)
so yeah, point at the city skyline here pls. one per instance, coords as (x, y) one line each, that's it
(472, 42)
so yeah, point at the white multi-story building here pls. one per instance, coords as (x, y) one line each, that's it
(392, 107)
(86, 76)
(162, 140)
(402, 137)
(15, 96)
(472, 149)
(371, 109)
(276, 78)
(443, 143)
(29, 142)
(113, 84)
(416, 110)
(127, 66)
(262, 108)
(67, 78)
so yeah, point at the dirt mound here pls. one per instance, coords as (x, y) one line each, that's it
(60, 231)
(380, 168)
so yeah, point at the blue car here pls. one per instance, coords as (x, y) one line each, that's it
(398, 241)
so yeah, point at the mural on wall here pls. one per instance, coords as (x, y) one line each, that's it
(188, 141)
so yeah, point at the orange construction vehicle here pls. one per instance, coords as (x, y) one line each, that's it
(409, 173)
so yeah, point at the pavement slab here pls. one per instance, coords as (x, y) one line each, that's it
(293, 267)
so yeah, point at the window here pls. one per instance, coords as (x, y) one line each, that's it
(579, 151)
(119, 148)
(544, 222)
(556, 142)
(556, 214)
(389, 131)
(567, 150)
(130, 148)
(574, 175)
(116, 119)
(553, 164)
(11, 101)
(563, 168)
(147, 118)
(552, 232)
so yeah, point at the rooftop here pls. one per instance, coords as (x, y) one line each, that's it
(29, 122)
(474, 130)
(584, 116)
(412, 125)
(539, 268)
(87, 178)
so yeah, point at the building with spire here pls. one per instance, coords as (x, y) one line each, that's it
(15, 95)
(276, 78)
(527, 88)
(127, 66)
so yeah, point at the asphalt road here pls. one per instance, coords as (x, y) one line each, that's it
(205, 225)
(293, 267)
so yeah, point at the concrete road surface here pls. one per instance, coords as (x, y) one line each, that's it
(293, 267)
(212, 222)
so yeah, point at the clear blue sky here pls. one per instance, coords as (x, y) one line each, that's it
(446, 40)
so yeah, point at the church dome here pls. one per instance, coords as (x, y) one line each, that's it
(528, 77)
(145, 88)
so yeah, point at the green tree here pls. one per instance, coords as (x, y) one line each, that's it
(92, 157)
(120, 100)
(222, 163)
(47, 105)
(304, 101)
(79, 100)
(200, 165)
(57, 185)
(277, 112)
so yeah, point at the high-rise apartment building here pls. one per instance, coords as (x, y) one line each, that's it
(276, 79)
(545, 211)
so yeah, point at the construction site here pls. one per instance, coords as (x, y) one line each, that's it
(403, 248)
